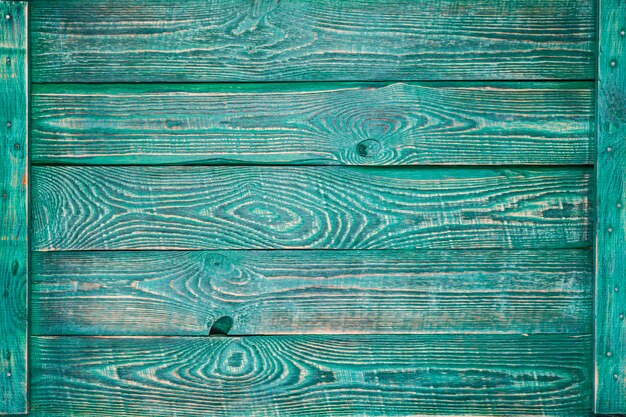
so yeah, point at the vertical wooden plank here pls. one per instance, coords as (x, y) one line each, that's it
(13, 207)
(611, 211)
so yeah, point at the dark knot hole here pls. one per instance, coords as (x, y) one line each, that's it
(368, 148)
(221, 326)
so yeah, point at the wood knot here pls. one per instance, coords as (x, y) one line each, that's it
(174, 124)
(221, 326)
(218, 264)
(15, 267)
(368, 148)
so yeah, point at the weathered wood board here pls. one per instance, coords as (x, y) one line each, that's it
(13, 206)
(94, 208)
(312, 292)
(325, 40)
(610, 303)
(315, 123)
(451, 274)
(350, 375)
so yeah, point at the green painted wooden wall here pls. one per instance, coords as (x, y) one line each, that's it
(317, 208)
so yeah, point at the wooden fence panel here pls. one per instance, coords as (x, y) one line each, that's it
(433, 256)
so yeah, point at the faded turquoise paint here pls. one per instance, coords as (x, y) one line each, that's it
(311, 376)
(312, 292)
(468, 123)
(610, 358)
(244, 207)
(13, 206)
(444, 328)
(320, 40)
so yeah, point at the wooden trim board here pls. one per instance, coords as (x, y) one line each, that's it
(13, 207)
(610, 386)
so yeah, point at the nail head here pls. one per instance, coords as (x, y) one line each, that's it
(608, 354)
(622, 33)
(615, 376)
(7, 16)
(9, 374)
(613, 63)
(616, 289)
(621, 317)
(619, 205)
(609, 149)
(610, 229)
(9, 124)
(16, 146)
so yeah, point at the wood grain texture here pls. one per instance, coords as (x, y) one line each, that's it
(13, 206)
(383, 375)
(92, 208)
(325, 40)
(311, 292)
(305, 123)
(611, 218)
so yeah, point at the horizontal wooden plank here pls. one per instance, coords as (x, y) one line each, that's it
(311, 292)
(270, 40)
(92, 208)
(304, 123)
(383, 375)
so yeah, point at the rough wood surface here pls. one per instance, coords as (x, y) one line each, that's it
(305, 123)
(311, 292)
(611, 212)
(13, 206)
(92, 208)
(376, 375)
(324, 40)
